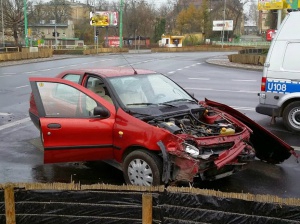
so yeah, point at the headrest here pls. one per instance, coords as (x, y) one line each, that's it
(99, 90)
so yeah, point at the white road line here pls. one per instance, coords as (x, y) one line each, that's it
(244, 80)
(9, 73)
(19, 87)
(171, 72)
(297, 148)
(2, 127)
(222, 90)
(4, 114)
(187, 67)
(179, 69)
(200, 78)
(2, 76)
(243, 108)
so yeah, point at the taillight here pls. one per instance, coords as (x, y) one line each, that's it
(263, 84)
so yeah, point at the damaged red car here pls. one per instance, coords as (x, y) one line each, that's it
(146, 125)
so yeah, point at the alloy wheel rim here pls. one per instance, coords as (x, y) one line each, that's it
(295, 118)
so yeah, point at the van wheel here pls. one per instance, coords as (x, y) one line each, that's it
(142, 168)
(291, 116)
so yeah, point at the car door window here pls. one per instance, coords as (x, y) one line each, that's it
(97, 86)
(61, 100)
(72, 77)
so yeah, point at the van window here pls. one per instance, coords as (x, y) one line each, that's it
(291, 58)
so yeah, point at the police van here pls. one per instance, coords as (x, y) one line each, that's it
(280, 84)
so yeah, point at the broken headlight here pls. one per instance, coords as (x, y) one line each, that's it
(191, 150)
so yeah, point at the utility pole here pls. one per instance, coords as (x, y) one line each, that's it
(223, 23)
(121, 24)
(25, 22)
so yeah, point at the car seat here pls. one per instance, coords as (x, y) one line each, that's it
(99, 89)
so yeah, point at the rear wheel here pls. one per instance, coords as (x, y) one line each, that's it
(142, 168)
(291, 116)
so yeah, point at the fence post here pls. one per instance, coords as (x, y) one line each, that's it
(9, 198)
(147, 208)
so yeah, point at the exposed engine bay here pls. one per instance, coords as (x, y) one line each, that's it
(208, 136)
(198, 123)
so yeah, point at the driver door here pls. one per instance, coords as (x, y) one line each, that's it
(69, 130)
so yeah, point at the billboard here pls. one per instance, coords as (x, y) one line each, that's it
(219, 24)
(104, 18)
(275, 4)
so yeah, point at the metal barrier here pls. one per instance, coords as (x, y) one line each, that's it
(9, 49)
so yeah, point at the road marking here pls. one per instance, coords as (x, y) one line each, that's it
(243, 108)
(171, 72)
(21, 86)
(2, 127)
(297, 148)
(4, 76)
(200, 78)
(9, 73)
(244, 80)
(221, 90)
(179, 69)
(4, 114)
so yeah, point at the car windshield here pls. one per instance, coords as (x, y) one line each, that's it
(148, 90)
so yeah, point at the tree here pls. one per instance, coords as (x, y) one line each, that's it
(159, 29)
(58, 10)
(13, 18)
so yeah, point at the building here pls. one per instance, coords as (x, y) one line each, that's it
(45, 30)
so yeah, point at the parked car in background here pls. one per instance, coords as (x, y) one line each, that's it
(146, 125)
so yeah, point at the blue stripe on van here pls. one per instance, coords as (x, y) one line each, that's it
(282, 86)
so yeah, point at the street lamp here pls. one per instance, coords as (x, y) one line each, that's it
(121, 24)
(3, 40)
(25, 22)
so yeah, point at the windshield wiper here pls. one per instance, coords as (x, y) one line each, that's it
(178, 100)
(130, 104)
(165, 104)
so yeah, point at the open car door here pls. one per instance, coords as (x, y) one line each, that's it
(69, 129)
(268, 147)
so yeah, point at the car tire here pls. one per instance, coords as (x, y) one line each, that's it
(291, 116)
(142, 168)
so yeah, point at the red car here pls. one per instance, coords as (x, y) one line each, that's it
(146, 125)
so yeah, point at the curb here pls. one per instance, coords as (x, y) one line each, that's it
(224, 61)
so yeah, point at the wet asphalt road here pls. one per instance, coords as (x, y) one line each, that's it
(21, 153)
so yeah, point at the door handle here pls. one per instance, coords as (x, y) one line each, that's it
(53, 126)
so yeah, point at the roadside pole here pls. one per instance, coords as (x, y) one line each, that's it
(121, 24)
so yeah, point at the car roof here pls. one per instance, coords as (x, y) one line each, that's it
(107, 72)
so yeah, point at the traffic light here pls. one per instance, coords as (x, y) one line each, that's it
(97, 32)
(53, 34)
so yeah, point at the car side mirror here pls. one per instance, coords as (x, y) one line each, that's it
(101, 112)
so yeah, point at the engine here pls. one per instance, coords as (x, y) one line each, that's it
(196, 123)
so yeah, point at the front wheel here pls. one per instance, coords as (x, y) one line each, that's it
(142, 168)
(291, 116)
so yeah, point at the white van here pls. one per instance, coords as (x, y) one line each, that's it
(280, 84)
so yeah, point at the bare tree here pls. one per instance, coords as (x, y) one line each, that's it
(13, 14)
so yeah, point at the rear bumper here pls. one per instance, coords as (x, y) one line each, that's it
(267, 109)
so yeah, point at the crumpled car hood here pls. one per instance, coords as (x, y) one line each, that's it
(268, 146)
